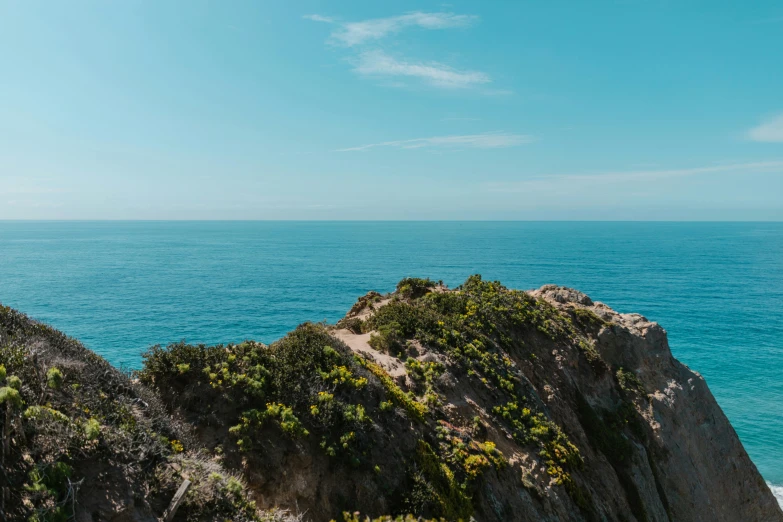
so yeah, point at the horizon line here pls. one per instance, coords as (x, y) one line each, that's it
(111, 220)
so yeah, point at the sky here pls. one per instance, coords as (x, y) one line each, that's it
(623, 110)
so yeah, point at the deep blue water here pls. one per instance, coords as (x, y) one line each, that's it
(120, 287)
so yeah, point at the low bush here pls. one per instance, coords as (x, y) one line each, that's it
(414, 287)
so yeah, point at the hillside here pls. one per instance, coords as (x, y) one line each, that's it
(478, 402)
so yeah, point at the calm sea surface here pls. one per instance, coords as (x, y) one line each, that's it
(120, 287)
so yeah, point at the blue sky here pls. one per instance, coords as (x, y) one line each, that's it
(391, 110)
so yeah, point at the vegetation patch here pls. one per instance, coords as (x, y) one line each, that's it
(414, 287)
(588, 318)
(409, 403)
(214, 494)
(556, 450)
(307, 385)
(475, 328)
(71, 412)
(436, 489)
(629, 382)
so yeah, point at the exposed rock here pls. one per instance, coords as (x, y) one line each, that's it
(562, 294)
(702, 471)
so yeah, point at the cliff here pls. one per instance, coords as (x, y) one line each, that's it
(478, 402)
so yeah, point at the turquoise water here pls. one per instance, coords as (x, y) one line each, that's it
(120, 287)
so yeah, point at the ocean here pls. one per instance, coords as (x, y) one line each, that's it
(120, 287)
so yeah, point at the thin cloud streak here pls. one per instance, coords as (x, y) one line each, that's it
(355, 33)
(473, 141)
(636, 176)
(458, 118)
(769, 131)
(378, 63)
(319, 18)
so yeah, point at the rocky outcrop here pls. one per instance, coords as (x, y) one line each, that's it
(479, 402)
(693, 466)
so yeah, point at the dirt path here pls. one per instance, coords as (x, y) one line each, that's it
(359, 344)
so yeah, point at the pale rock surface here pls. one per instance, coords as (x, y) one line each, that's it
(702, 468)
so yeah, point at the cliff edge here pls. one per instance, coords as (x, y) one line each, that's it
(477, 402)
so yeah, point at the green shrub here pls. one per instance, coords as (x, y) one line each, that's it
(424, 371)
(588, 318)
(14, 382)
(389, 339)
(414, 287)
(628, 381)
(342, 375)
(252, 420)
(588, 348)
(234, 487)
(92, 429)
(50, 481)
(353, 324)
(54, 378)
(44, 412)
(10, 396)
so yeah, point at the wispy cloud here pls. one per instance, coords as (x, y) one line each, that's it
(373, 62)
(769, 131)
(378, 63)
(355, 33)
(498, 92)
(459, 118)
(319, 18)
(494, 140)
(575, 180)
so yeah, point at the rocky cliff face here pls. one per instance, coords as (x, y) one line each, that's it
(691, 465)
(478, 402)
